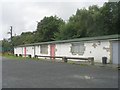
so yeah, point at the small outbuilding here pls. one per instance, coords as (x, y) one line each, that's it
(97, 47)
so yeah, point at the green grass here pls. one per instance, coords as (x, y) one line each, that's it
(0, 54)
(71, 62)
(75, 63)
(14, 57)
(11, 56)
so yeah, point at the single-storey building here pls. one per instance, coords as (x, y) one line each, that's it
(97, 47)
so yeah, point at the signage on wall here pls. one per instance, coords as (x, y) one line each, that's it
(106, 48)
(94, 45)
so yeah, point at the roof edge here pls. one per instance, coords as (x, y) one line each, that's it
(105, 37)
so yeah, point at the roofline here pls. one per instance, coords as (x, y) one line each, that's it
(108, 37)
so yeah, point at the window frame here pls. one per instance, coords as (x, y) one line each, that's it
(43, 48)
(77, 48)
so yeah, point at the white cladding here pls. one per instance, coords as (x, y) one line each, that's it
(115, 50)
(18, 50)
(30, 50)
(92, 49)
(99, 51)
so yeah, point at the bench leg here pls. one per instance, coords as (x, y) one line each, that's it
(36, 56)
(92, 60)
(64, 59)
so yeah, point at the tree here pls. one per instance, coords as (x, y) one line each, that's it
(94, 21)
(118, 18)
(6, 46)
(24, 38)
(80, 21)
(109, 14)
(66, 31)
(47, 27)
(77, 26)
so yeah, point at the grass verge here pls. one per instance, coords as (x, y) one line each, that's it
(77, 63)
(11, 56)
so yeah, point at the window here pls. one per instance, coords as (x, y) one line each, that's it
(44, 49)
(77, 48)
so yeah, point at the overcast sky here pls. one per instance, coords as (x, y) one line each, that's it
(23, 16)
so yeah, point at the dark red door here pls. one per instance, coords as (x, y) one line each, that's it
(52, 50)
(25, 51)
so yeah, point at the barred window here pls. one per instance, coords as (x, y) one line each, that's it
(44, 49)
(77, 48)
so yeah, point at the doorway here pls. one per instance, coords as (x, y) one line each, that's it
(52, 51)
(25, 51)
(115, 52)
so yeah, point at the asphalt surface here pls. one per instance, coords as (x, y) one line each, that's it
(45, 74)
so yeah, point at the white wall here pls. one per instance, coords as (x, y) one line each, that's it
(98, 52)
(18, 50)
(30, 50)
(64, 49)
(37, 50)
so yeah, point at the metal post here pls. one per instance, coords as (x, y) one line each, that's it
(11, 32)
(64, 59)
(11, 38)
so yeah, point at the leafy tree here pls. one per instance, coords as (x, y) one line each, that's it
(47, 27)
(94, 21)
(67, 31)
(77, 26)
(6, 46)
(109, 14)
(24, 38)
(118, 18)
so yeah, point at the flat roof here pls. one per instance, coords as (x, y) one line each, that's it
(107, 37)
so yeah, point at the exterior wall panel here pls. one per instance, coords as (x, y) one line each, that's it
(37, 50)
(98, 51)
(30, 50)
(18, 50)
(115, 52)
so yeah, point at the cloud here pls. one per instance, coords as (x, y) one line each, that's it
(55, 0)
(0, 21)
(12, 15)
(23, 15)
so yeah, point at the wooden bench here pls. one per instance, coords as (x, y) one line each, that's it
(48, 56)
(65, 59)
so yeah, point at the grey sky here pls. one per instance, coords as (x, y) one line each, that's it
(23, 15)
